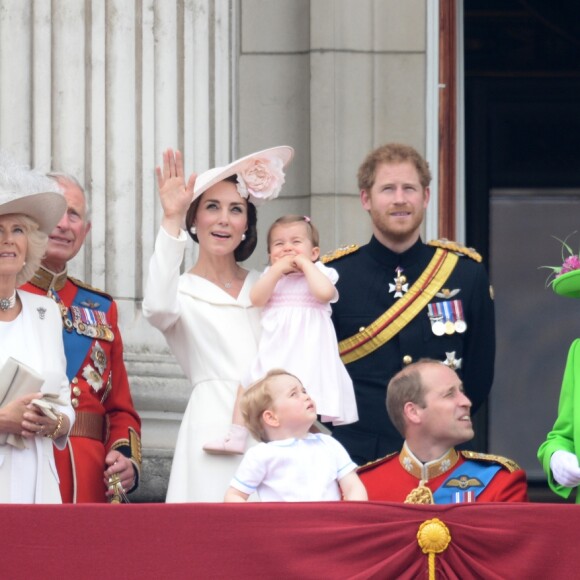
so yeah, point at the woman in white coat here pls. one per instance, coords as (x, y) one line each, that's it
(205, 314)
(30, 340)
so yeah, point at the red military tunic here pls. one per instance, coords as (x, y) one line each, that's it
(395, 476)
(105, 416)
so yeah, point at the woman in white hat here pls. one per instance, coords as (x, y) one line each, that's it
(35, 408)
(206, 314)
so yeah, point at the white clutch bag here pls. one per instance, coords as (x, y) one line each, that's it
(17, 380)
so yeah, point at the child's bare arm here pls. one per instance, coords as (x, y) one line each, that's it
(262, 290)
(320, 286)
(233, 495)
(353, 488)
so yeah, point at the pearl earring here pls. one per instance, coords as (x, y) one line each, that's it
(243, 237)
(193, 230)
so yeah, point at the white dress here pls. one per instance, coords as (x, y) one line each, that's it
(298, 336)
(35, 338)
(213, 337)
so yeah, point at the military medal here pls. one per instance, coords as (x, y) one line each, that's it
(99, 357)
(448, 316)
(93, 378)
(400, 286)
(438, 328)
(460, 324)
(64, 312)
(91, 323)
(452, 362)
(436, 318)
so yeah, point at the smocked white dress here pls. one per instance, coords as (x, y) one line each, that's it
(213, 337)
(298, 336)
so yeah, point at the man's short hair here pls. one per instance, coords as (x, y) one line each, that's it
(392, 153)
(60, 176)
(406, 387)
(257, 399)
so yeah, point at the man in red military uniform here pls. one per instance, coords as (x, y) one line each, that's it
(105, 441)
(427, 404)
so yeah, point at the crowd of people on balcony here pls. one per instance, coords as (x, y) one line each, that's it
(348, 376)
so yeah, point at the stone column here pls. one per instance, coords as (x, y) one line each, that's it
(99, 90)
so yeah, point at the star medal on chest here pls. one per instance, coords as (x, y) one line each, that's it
(95, 376)
(99, 357)
(400, 286)
(451, 361)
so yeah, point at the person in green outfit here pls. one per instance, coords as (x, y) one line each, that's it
(559, 453)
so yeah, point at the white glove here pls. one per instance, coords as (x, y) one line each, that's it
(564, 466)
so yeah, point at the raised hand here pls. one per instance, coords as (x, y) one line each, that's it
(175, 195)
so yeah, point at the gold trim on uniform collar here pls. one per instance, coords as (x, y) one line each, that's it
(45, 279)
(429, 470)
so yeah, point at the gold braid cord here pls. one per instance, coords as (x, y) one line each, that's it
(433, 538)
(402, 311)
(420, 495)
(455, 247)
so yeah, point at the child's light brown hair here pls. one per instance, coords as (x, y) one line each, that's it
(285, 220)
(257, 399)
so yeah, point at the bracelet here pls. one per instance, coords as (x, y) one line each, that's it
(54, 434)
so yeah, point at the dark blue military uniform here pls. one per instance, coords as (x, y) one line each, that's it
(366, 277)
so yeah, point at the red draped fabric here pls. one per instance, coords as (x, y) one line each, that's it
(306, 540)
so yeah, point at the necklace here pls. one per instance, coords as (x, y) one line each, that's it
(227, 284)
(8, 303)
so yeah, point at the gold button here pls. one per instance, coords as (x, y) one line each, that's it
(407, 359)
(361, 328)
(75, 403)
(74, 381)
(76, 391)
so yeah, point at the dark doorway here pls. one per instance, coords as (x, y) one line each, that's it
(522, 123)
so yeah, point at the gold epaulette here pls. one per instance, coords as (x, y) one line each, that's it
(509, 464)
(457, 248)
(376, 462)
(339, 253)
(86, 286)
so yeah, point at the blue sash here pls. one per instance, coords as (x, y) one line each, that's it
(470, 476)
(76, 346)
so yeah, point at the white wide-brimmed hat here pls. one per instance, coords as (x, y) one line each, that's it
(28, 192)
(260, 174)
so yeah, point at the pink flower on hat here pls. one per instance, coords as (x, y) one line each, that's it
(261, 179)
(570, 263)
